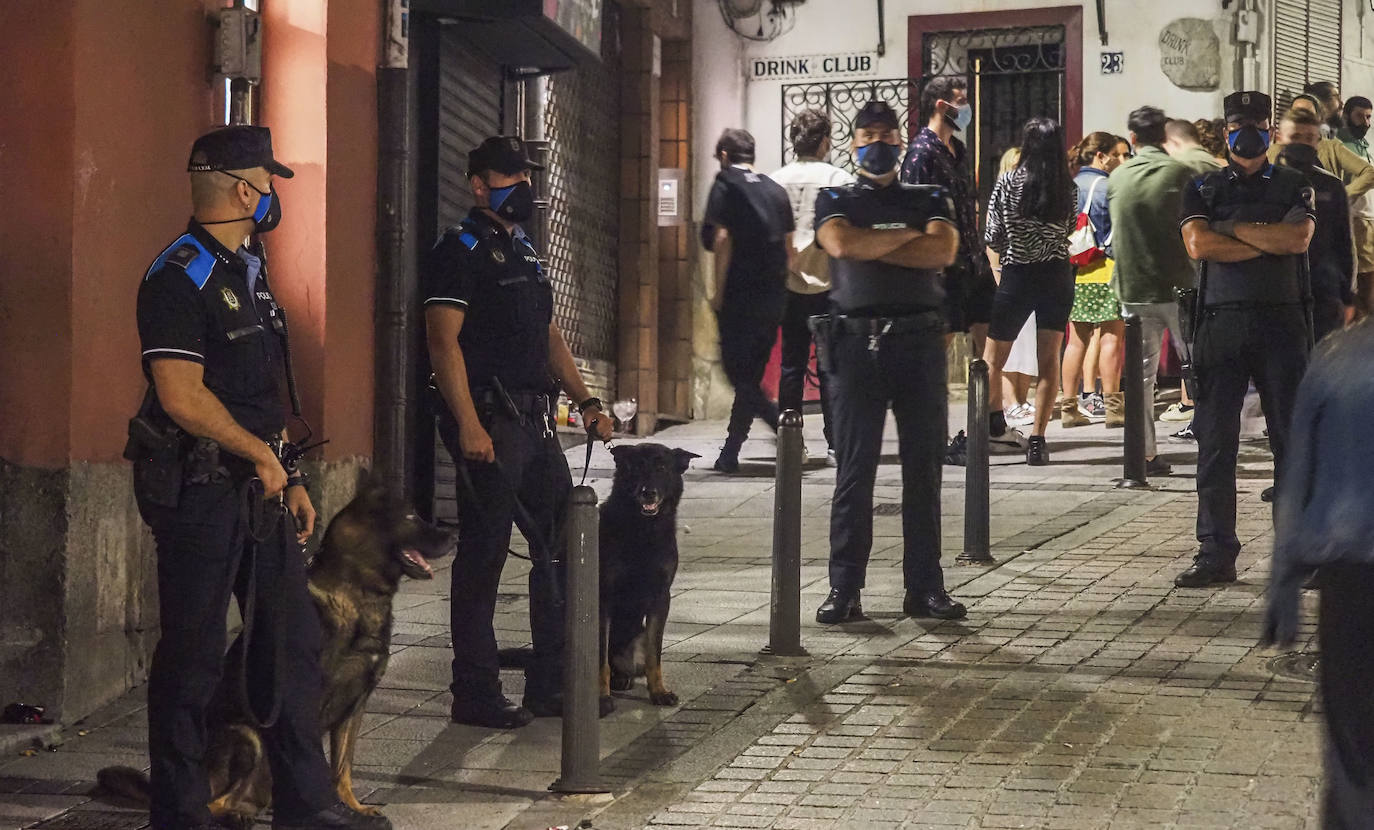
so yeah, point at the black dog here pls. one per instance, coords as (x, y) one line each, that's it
(638, 562)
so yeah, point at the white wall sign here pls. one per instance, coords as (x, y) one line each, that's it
(840, 65)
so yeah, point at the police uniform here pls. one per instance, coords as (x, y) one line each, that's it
(203, 303)
(884, 344)
(1252, 324)
(496, 279)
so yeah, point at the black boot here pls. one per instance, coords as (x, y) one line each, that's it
(497, 712)
(1206, 570)
(839, 607)
(938, 604)
(337, 817)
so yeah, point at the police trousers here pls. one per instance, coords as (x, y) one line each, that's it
(529, 466)
(796, 354)
(1235, 345)
(907, 370)
(745, 344)
(199, 567)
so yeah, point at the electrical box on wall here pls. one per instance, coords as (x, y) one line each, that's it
(1247, 26)
(671, 193)
(238, 47)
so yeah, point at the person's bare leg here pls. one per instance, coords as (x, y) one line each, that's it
(1111, 337)
(1074, 353)
(1047, 354)
(1090, 359)
(996, 354)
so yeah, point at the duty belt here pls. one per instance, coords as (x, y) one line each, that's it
(878, 326)
(526, 403)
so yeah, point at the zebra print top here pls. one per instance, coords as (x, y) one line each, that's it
(1021, 241)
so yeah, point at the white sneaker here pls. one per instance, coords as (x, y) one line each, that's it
(806, 455)
(1011, 441)
(1177, 414)
(1020, 415)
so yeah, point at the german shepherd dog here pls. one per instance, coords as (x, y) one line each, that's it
(368, 548)
(638, 544)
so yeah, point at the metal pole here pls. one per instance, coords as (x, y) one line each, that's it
(581, 652)
(1133, 383)
(784, 617)
(977, 534)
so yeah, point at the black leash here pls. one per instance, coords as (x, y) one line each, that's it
(259, 520)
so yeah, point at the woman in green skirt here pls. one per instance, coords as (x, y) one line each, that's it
(1094, 305)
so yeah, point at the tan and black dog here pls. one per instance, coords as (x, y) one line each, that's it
(638, 546)
(368, 548)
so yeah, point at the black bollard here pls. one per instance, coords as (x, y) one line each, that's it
(784, 612)
(581, 652)
(1133, 476)
(977, 547)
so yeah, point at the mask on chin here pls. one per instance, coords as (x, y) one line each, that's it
(878, 158)
(514, 203)
(1249, 142)
(1302, 156)
(1357, 131)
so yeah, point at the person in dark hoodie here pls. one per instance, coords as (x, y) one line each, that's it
(1324, 520)
(1331, 255)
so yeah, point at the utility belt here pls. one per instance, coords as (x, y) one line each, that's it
(524, 407)
(827, 328)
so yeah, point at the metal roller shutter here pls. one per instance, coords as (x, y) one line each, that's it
(1307, 46)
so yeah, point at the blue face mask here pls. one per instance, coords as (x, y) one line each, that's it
(963, 116)
(879, 158)
(1249, 142)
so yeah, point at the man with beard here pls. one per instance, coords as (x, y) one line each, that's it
(1354, 134)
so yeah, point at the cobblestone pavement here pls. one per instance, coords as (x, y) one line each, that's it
(1084, 691)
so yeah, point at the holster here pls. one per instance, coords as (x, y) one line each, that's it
(823, 332)
(158, 464)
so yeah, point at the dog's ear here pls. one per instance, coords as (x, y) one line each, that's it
(683, 459)
(620, 452)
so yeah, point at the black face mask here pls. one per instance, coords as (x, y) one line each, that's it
(1249, 142)
(1357, 131)
(1302, 156)
(514, 203)
(879, 158)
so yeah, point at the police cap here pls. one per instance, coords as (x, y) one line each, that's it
(876, 112)
(1248, 106)
(240, 147)
(502, 153)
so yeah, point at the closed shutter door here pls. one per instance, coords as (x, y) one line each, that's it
(1307, 46)
(469, 98)
(469, 111)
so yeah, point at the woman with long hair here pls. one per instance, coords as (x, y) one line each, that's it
(1095, 312)
(1022, 364)
(1030, 216)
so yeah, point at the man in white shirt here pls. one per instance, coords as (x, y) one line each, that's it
(808, 284)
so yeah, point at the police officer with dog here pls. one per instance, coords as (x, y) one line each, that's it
(882, 343)
(1249, 224)
(499, 360)
(212, 478)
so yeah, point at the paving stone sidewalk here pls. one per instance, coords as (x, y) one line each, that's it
(1084, 691)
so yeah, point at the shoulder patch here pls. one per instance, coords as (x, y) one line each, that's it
(190, 256)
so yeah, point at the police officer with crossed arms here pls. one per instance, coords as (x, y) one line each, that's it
(1249, 224)
(213, 342)
(884, 344)
(499, 359)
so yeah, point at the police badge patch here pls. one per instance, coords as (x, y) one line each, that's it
(230, 298)
(498, 257)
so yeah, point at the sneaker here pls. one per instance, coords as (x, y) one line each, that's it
(1037, 454)
(1020, 415)
(1009, 441)
(1185, 434)
(830, 456)
(806, 455)
(956, 454)
(1177, 413)
(1094, 407)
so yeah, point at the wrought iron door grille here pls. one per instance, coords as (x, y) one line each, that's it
(841, 101)
(1003, 51)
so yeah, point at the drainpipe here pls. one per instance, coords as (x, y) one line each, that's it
(396, 277)
(1247, 37)
(536, 99)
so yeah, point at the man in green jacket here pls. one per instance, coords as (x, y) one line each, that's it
(1151, 263)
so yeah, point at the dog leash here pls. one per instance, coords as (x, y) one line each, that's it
(258, 523)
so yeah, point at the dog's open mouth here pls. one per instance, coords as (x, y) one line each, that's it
(650, 506)
(421, 568)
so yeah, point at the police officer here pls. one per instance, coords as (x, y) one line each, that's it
(884, 343)
(498, 361)
(213, 338)
(1249, 224)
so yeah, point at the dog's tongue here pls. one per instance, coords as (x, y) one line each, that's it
(415, 557)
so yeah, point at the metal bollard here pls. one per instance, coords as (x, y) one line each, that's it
(581, 651)
(1133, 474)
(784, 608)
(977, 547)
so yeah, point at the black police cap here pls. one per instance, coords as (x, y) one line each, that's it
(876, 112)
(240, 147)
(1248, 106)
(502, 153)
